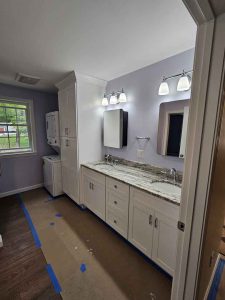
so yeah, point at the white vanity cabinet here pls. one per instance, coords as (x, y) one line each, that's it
(94, 192)
(117, 205)
(153, 228)
(147, 221)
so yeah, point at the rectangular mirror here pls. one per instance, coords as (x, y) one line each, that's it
(172, 128)
(115, 128)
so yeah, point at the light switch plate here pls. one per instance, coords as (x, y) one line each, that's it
(140, 153)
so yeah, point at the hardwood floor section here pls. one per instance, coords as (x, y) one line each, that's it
(23, 272)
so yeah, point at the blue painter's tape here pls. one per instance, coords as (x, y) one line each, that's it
(31, 225)
(216, 280)
(83, 268)
(53, 278)
(58, 215)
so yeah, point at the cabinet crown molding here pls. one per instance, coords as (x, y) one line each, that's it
(90, 79)
(78, 78)
(68, 80)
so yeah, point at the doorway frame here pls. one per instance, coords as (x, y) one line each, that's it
(201, 141)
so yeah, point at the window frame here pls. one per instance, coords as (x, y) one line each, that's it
(30, 125)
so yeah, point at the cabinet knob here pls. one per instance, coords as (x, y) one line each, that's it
(115, 221)
(115, 202)
(115, 186)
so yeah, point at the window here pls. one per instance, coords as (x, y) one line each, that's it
(15, 127)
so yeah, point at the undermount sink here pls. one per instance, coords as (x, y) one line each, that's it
(166, 187)
(104, 165)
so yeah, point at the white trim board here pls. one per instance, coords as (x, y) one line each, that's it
(24, 189)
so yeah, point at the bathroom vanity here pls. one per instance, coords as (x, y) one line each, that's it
(139, 203)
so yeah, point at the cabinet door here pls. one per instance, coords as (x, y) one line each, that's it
(87, 191)
(165, 242)
(69, 167)
(63, 112)
(69, 152)
(71, 113)
(141, 219)
(94, 192)
(70, 183)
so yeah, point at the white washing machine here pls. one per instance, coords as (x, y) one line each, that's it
(52, 174)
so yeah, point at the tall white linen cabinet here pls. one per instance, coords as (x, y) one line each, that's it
(80, 115)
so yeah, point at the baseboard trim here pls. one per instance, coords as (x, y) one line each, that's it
(27, 188)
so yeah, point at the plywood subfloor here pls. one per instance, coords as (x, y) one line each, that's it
(22, 265)
(71, 237)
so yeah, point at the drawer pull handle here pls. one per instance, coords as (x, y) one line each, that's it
(90, 185)
(150, 220)
(115, 186)
(115, 221)
(156, 223)
(115, 202)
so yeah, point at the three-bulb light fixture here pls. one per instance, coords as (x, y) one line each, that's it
(184, 83)
(114, 98)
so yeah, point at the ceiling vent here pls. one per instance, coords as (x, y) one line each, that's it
(27, 79)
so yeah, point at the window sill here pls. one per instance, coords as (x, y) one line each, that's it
(18, 154)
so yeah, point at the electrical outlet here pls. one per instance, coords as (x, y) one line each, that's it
(140, 153)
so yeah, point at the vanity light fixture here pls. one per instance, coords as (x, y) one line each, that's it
(105, 101)
(184, 83)
(122, 97)
(164, 88)
(114, 98)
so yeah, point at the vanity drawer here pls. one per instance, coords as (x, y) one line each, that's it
(117, 221)
(118, 201)
(117, 186)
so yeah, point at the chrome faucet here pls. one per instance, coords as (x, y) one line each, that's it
(108, 158)
(173, 172)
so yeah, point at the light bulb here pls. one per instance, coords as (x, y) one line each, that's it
(122, 97)
(113, 99)
(105, 101)
(164, 88)
(184, 83)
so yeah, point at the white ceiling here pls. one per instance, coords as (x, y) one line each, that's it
(101, 38)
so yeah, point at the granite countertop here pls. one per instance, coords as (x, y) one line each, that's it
(150, 181)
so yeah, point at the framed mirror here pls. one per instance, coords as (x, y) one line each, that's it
(172, 128)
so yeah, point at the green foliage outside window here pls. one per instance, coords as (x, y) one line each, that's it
(14, 126)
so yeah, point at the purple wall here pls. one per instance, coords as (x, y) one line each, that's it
(19, 172)
(143, 104)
